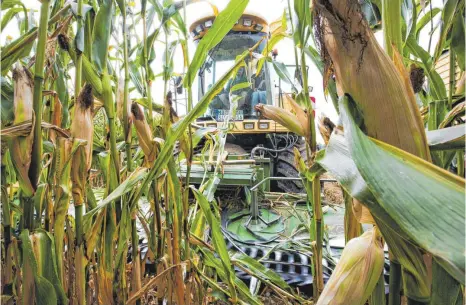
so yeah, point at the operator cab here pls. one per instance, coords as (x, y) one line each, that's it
(254, 88)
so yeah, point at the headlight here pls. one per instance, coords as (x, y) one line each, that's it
(247, 22)
(248, 125)
(208, 23)
(263, 125)
(211, 125)
(258, 27)
(199, 28)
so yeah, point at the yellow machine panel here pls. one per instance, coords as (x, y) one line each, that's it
(248, 126)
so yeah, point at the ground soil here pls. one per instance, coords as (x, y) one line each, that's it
(332, 191)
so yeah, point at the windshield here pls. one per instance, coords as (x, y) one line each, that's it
(253, 88)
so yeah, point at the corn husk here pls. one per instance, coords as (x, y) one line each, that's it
(120, 97)
(460, 85)
(363, 70)
(82, 128)
(357, 272)
(144, 133)
(23, 94)
(21, 146)
(56, 118)
(296, 121)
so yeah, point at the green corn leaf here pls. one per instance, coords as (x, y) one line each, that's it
(274, 39)
(89, 72)
(41, 288)
(101, 34)
(167, 59)
(445, 289)
(398, 232)
(45, 294)
(126, 186)
(20, 48)
(371, 11)
(262, 272)
(47, 262)
(200, 133)
(240, 86)
(169, 12)
(449, 12)
(10, 14)
(303, 20)
(331, 85)
(62, 90)
(79, 38)
(214, 262)
(458, 40)
(39, 197)
(378, 295)
(409, 14)
(426, 19)
(217, 239)
(122, 7)
(408, 198)
(61, 168)
(447, 138)
(6, 4)
(221, 26)
(282, 72)
(136, 77)
(177, 129)
(143, 101)
(436, 84)
(9, 4)
(6, 102)
(22, 41)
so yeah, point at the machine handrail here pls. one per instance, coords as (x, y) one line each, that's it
(286, 179)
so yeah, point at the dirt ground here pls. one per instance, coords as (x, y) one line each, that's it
(332, 191)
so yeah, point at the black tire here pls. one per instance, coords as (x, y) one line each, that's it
(285, 167)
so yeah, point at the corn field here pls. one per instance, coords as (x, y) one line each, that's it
(90, 159)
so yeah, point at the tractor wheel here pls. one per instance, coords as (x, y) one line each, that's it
(285, 167)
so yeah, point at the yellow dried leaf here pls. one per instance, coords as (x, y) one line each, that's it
(362, 214)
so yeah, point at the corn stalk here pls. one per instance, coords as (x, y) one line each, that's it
(36, 157)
